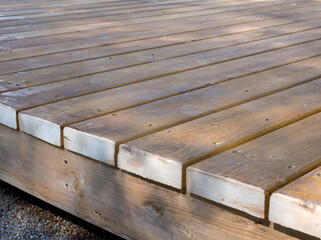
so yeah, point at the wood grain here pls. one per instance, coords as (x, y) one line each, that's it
(298, 204)
(165, 155)
(244, 177)
(65, 112)
(160, 48)
(117, 202)
(100, 137)
(92, 39)
(43, 94)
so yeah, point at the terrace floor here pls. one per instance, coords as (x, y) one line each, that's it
(217, 101)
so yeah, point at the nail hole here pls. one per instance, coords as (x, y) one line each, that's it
(99, 110)
(66, 185)
(151, 125)
(267, 119)
(109, 58)
(291, 167)
(170, 132)
(246, 90)
(236, 151)
(216, 143)
(319, 174)
(66, 162)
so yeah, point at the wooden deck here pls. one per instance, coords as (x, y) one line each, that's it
(158, 119)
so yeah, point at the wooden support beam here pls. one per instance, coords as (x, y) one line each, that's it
(120, 203)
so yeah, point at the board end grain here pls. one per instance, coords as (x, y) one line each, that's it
(148, 166)
(226, 191)
(40, 128)
(8, 116)
(89, 145)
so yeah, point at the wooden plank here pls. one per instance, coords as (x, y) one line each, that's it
(271, 40)
(298, 204)
(259, 30)
(99, 138)
(117, 202)
(109, 6)
(56, 115)
(24, 40)
(244, 177)
(8, 53)
(102, 12)
(116, 5)
(141, 16)
(54, 16)
(32, 30)
(48, 4)
(165, 155)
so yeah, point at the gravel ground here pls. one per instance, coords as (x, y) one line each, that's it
(23, 216)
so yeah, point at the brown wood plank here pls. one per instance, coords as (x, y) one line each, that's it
(192, 41)
(8, 53)
(126, 13)
(112, 5)
(89, 67)
(48, 4)
(244, 177)
(57, 115)
(98, 57)
(135, 45)
(165, 155)
(53, 16)
(99, 138)
(78, 32)
(116, 5)
(117, 202)
(298, 204)
(65, 21)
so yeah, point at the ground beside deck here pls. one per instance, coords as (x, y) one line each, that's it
(111, 109)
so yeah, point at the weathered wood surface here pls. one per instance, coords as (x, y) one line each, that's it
(92, 41)
(153, 87)
(117, 202)
(244, 177)
(58, 115)
(100, 137)
(165, 155)
(298, 205)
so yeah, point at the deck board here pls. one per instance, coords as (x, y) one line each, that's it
(56, 35)
(97, 27)
(65, 112)
(153, 87)
(244, 177)
(100, 137)
(298, 204)
(10, 53)
(165, 155)
(117, 202)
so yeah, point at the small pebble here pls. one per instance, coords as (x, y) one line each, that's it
(23, 216)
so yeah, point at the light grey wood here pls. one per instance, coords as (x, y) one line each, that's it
(100, 137)
(244, 177)
(115, 201)
(298, 204)
(192, 142)
(88, 106)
